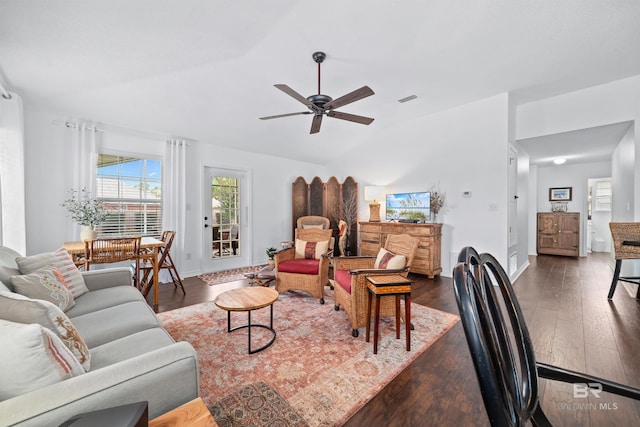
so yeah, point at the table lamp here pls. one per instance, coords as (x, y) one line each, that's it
(372, 193)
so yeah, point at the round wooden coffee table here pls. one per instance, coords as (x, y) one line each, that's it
(248, 299)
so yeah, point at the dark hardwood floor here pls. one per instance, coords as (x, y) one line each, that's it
(572, 325)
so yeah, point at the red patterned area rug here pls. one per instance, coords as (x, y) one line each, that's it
(226, 276)
(315, 364)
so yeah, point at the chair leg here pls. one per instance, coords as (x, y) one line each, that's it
(616, 276)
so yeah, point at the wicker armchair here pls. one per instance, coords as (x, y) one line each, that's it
(312, 221)
(350, 283)
(302, 273)
(626, 245)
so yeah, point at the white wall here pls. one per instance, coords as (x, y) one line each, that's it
(622, 178)
(48, 179)
(461, 149)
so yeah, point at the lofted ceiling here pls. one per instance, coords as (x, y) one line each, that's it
(205, 70)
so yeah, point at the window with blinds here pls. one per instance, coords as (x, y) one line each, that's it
(130, 189)
(603, 196)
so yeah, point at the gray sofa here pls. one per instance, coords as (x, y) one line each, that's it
(132, 357)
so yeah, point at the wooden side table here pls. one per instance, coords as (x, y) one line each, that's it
(389, 285)
(192, 414)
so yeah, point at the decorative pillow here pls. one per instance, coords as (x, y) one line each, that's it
(32, 357)
(307, 226)
(18, 308)
(59, 259)
(389, 260)
(46, 284)
(311, 250)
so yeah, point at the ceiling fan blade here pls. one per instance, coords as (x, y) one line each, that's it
(315, 124)
(284, 115)
(292, 93)
(356, 95)
(350, 117)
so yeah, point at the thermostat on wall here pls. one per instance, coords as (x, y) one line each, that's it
(466, 193)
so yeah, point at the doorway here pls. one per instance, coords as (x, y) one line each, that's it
(226, 239)
(599, 199)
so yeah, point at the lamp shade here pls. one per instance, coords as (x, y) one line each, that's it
(372, 192)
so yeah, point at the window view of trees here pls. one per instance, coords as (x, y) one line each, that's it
(131, 190)
(225, 216)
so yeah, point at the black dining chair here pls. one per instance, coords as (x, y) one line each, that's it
(501, 347)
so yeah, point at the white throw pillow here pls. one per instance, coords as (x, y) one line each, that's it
(311, 250)
(46, 284)
(18, 308)
(59, 259)
(389, 260)
(32, 357)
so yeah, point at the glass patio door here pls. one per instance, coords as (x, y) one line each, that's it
(225, 219)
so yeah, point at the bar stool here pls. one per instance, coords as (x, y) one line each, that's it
(626, 245)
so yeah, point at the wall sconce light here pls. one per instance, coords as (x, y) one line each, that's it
(371, 194)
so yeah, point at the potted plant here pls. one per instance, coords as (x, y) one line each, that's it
(85, 211)
(271, 252)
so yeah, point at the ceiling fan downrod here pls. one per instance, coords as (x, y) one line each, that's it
(319, 57)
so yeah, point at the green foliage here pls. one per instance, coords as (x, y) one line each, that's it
(408, 207)
(271, 252)
(84, 209)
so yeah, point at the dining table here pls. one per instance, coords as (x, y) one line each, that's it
(149, 251)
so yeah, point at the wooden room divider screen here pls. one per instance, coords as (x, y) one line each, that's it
(329, 199)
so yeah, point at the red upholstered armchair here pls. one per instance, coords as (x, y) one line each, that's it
(305, 267)
(350, 283)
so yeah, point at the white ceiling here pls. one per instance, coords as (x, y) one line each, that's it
(205, 70)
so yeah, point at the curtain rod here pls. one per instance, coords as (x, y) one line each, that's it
(110, 128)
(5, 92)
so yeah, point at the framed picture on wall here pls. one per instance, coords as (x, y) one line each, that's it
(560, 194)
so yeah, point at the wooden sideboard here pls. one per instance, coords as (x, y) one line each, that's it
(559, 233)
(427, 260)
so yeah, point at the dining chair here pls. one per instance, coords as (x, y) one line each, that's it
(144, 280)
(501, 347)
(110, 250)
(626, 245)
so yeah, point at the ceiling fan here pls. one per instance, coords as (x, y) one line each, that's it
(320, 105)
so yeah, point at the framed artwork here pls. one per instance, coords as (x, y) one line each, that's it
(560, 194)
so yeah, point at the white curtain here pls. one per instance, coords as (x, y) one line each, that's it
(84, 161)
(174, 199)
(12, 181)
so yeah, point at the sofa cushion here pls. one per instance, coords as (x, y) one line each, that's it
(311, 250)
(104, 298)
(46, 284)
(129, 346)
(18, 308)
(32, 357)
(389, 260)
(299, 266)
(8, 266)
(102, 326)
(343, 278)
(59, 259)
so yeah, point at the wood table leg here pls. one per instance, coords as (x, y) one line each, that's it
(407, 309)
(397, 316)
(368, 316)
(376, 326)
(156, 291)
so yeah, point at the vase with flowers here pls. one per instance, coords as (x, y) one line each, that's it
(85, 211)
(437, 201)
